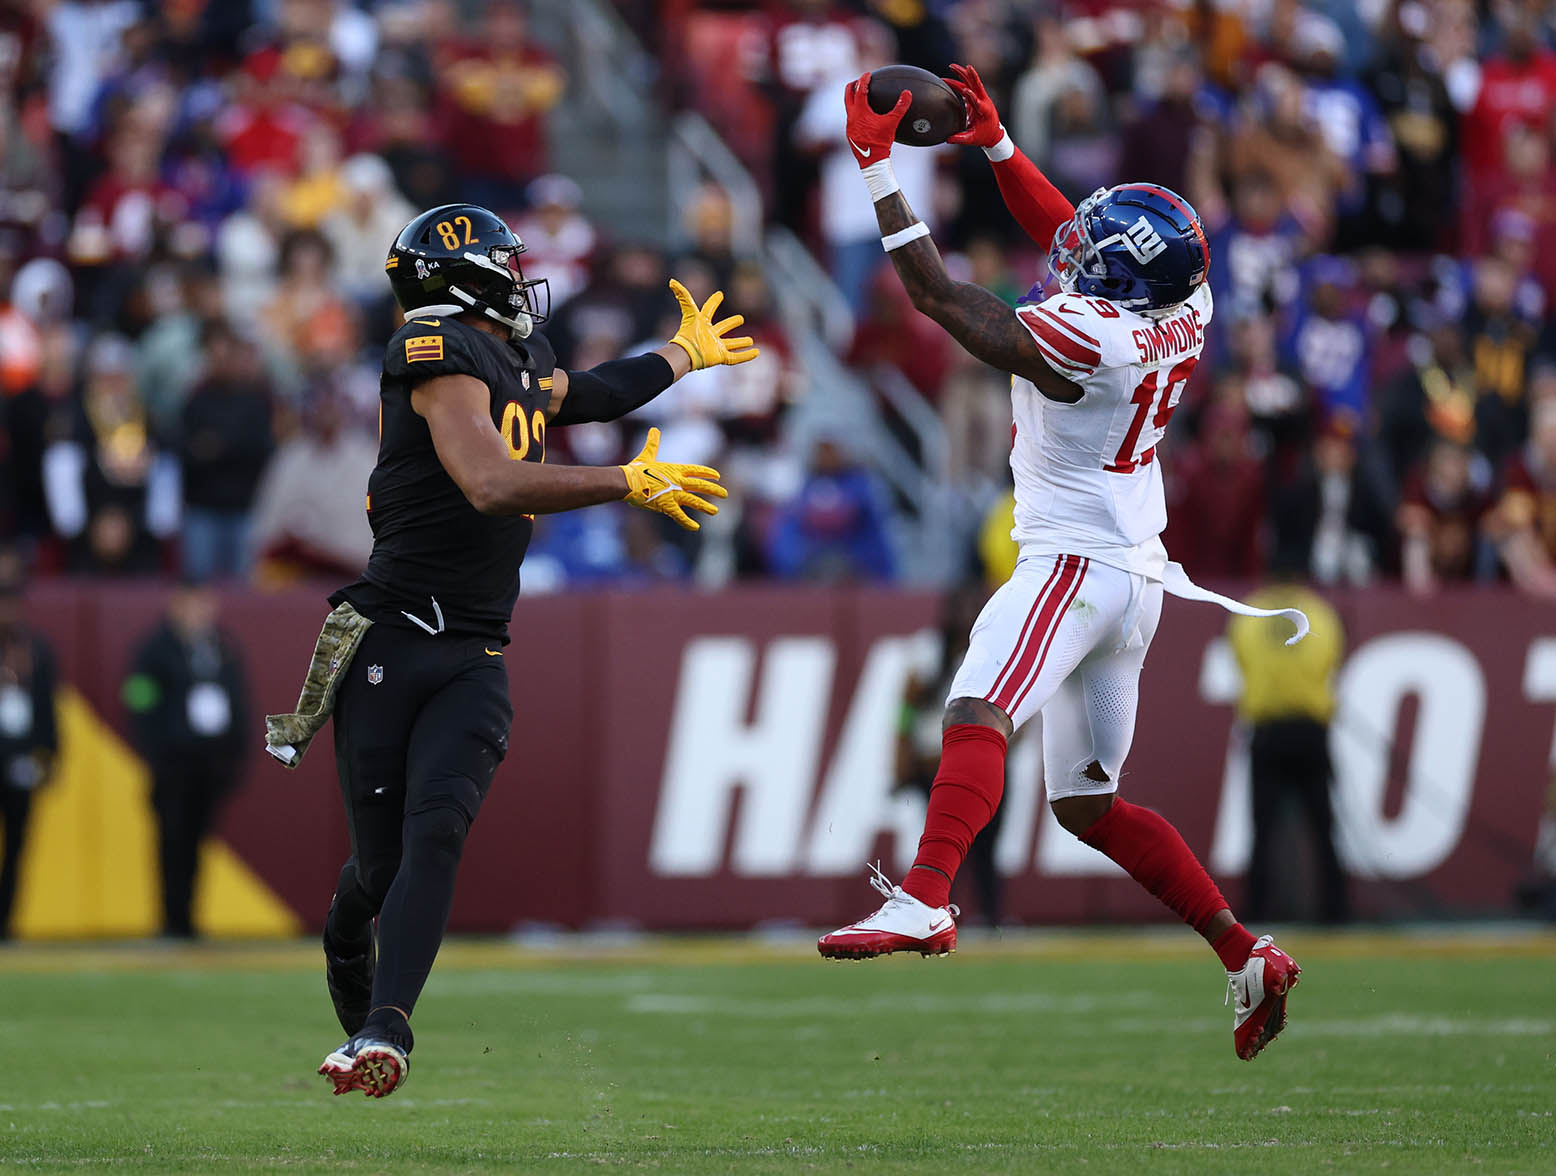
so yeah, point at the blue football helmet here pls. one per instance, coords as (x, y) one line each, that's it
(1139, 245)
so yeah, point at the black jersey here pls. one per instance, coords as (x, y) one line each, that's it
(429, 544)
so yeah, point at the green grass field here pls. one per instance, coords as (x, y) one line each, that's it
(1047, 1054)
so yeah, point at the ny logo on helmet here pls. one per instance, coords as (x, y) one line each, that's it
(1143, 241)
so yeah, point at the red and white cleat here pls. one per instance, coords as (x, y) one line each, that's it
(902, 924)
(1259, 990)
(376, 1068)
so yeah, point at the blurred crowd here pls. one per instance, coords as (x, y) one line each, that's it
(1378, 398)
(196, 198)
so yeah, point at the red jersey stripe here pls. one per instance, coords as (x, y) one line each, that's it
(1068, 326)
(1063, 365)
(1076, 353)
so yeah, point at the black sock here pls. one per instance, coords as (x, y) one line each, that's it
(389, 1025)
(415, 911)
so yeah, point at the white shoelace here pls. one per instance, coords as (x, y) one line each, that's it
(880, 881)
(895, 895)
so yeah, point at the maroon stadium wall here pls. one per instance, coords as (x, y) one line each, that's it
(723, 760)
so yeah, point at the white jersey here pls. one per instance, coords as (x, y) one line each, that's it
(1087, 479)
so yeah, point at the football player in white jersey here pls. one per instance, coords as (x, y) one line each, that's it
(1097, 369)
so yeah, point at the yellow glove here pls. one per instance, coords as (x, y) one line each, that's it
(702, 338)
(668, 488)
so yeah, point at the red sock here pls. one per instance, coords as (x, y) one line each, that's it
(1234, 946)
(962, 801)
(1155, 855)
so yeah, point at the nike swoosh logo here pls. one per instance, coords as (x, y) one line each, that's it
(864, 152)
(936, 926)
(1066, 308)
(427, 322)
(491, 652)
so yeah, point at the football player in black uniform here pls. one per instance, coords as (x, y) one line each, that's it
(421, 706)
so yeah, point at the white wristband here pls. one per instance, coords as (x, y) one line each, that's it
(1002, 150)
(902, 236)
(881, 179)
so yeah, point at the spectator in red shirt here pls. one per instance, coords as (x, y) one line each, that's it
(495, 94)
(263, 128)
(1517, 86)
(1525, 188)
(1216, 498)
(1441, 510)
(129, 203)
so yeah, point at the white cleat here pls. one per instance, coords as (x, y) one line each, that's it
(902, 924)
(1260, 989)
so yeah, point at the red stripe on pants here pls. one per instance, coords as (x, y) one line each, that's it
(1037, 637)
(1032, 614)
(1053, 631)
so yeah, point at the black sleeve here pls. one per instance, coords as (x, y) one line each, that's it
(613, 389)
(424, 349)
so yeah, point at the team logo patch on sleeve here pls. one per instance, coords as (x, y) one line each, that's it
(423, 347)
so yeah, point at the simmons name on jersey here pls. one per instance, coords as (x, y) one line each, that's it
(1086, 475)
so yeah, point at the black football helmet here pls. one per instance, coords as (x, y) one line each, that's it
(460, 257)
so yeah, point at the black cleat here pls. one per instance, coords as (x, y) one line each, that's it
(350, 981)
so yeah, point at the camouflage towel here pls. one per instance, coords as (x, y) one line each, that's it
(287, 736)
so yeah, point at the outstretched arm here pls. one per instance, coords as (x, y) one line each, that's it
(981, 322)
(611, 390)
(457, 409)
(1037, 205)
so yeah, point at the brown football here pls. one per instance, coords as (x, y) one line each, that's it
(937, 112)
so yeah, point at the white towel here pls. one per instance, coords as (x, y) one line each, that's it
(1176, 581)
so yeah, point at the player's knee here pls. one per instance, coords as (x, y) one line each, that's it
(976, 712)
(1076, 814)
(438, 831)
(1079, 813)
(376, 877)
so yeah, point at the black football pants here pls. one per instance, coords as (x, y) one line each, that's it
(15, 811)
(421, 723)
(186, 796)
(1289, 758)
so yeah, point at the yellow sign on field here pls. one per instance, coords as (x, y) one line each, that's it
(90, 868)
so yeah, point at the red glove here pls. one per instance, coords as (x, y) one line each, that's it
(871, 135)
(983, 121)
(1037, 205)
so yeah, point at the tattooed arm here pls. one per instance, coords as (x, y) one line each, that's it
(982, 323)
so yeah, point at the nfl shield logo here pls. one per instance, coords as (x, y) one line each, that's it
(375, 675)
(524, 379)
